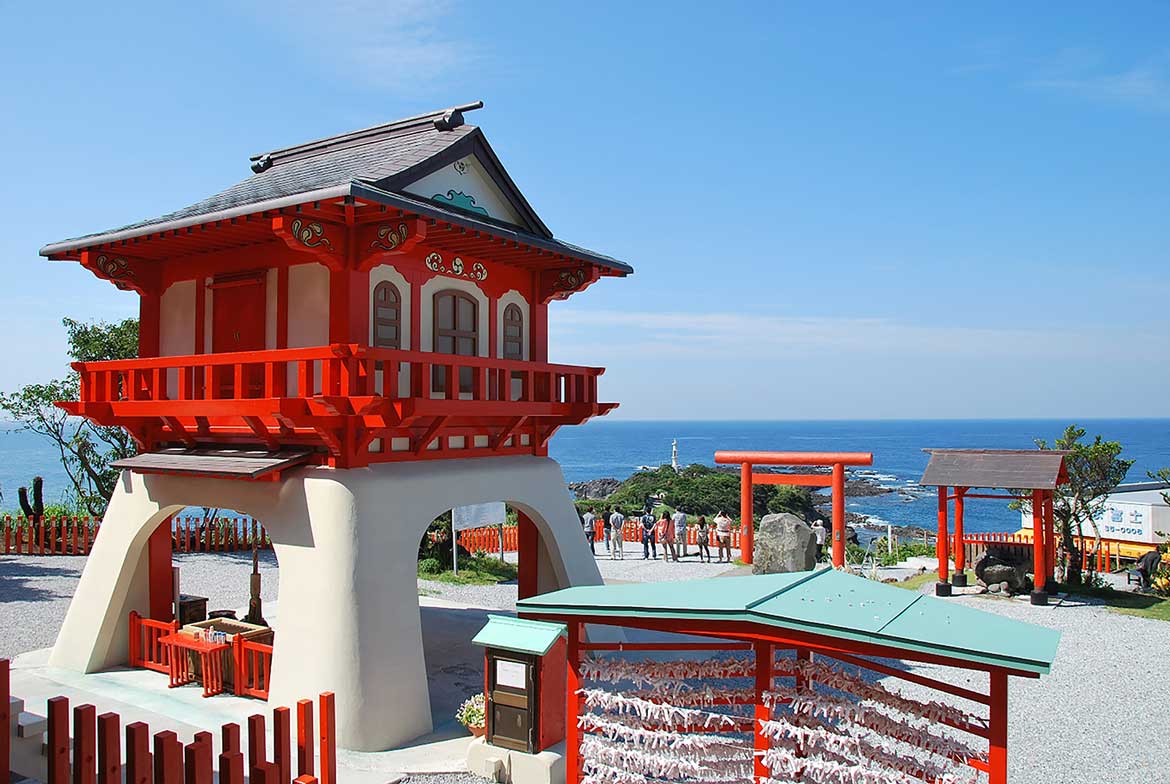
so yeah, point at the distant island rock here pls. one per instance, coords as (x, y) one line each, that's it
(594, 489)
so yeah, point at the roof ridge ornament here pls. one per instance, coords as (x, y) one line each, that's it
(453, 117)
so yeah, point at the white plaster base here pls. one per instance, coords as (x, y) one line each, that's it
(347, 544)
(505, 766)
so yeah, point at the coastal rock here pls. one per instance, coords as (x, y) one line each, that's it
(784, 543)
(594, 489)
(994, 568)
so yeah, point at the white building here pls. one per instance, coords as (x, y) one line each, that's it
(1134, 513)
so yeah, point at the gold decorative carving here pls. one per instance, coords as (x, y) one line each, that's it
(435, 263)
(390, 237)
(310, 234)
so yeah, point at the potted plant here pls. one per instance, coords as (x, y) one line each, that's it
(471, 715)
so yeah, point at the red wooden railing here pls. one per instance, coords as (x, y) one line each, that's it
(345, 370)
(253, 667)
(88, 748)
(145, 649)
(76, 535)
(488, 539)
(977, 543)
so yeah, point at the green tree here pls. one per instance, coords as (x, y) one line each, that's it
(86, 450)
(1095, 468)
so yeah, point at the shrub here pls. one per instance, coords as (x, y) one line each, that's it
(429, 566)
(471, 712)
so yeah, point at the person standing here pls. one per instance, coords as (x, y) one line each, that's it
(617, 522)
(679, 518)
(605, 516)
(588, 521)
(723, 535)
(819, 530)
(702, 536)
(666, 534)
(649, 541)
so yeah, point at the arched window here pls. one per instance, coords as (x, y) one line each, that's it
(387, 316)
(456, 332)
(513, 332)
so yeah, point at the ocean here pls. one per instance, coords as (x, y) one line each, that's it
(603, 448)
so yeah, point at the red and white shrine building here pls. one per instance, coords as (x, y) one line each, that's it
(344, 345)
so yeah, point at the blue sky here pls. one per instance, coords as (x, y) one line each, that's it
(834, 210)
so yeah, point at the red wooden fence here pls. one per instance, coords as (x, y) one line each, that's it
(94, 755)
(976, 544)
(76, 535)
(488, 539)
(145, 649)
(253, 662)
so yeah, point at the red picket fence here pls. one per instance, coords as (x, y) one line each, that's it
(88, 748)
(145, 649)
(253, 662)
(976, 544)
(488, 539)
(76, 535)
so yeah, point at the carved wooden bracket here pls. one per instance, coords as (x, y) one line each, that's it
(387, 238)
(125, 272)
(562, 282)
(324, 240)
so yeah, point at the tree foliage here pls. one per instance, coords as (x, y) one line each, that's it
(702, 490)
(1095, 468)
(86, 450)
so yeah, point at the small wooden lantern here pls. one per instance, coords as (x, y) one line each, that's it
(524, 683)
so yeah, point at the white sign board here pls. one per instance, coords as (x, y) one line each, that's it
(478, 515)
(512, 674)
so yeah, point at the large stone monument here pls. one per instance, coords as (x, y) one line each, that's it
(784, 543)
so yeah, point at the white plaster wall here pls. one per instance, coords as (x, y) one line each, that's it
(346, 543)
(474, 182)
(308, 313)
(176, 328)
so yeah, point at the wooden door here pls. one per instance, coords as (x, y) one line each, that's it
(237, 324)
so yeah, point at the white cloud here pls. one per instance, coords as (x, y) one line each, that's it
(1143, 86)
(403, 45)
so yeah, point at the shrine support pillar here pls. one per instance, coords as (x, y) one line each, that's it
(1039, 595)
(838, 515)
(959, 578)
(574, 704)
(161, 583)
(747, 533)
(1049, 544)
(997, 729)
(942, 587)
(764, 656)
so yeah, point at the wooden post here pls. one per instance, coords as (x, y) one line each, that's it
(838, 515)
(58, 752)
(305, 737)
(762, 712)
(229, 736)
(1050, 544)
(197, 757)
(231, 767)
(256, 746)
(1039, 596)
(527, 559)
(138, 762)
(109, 749)
(942, 587)
(328, 738)
(573, 705)
(281, 743)
(997, 729)
(959, 578)
(84, 744)
(161, 581)
(168, 758)
(746, 522)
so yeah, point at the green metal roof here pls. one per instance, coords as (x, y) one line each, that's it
(826, 602)
(519, 634)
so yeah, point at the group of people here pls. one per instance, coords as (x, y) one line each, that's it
(669, 530)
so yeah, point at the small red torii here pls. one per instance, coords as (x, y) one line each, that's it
(836, 479)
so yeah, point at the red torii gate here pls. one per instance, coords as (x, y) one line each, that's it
(961, 470)
(836, 479)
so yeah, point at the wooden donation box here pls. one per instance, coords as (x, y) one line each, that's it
(524, 683)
